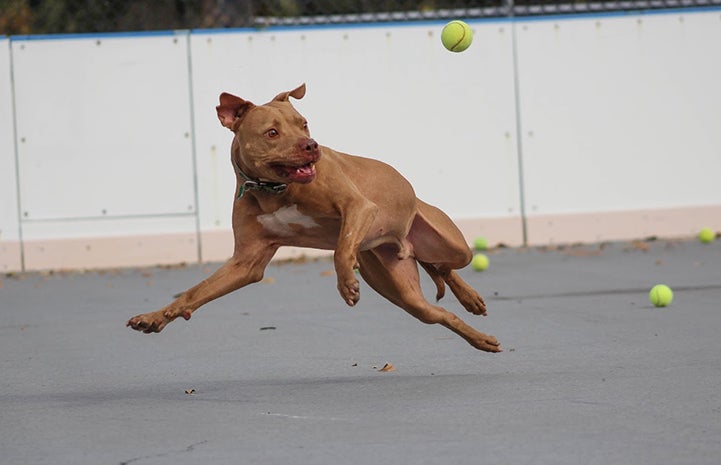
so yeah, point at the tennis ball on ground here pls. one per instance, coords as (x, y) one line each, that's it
(479, 262)
(706, 235)
(661, 295)
(456, 36)
(480, 243)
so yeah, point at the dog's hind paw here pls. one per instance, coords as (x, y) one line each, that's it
(486, 343)
(473, 302)
(349, 291)
(466, 295)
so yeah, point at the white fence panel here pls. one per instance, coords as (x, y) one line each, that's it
(620, 112)
(104, 126)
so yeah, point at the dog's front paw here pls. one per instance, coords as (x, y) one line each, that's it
(148, 322)
(154, 322)
(350, 290)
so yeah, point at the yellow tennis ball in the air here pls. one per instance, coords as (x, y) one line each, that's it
(480, 262)
(456, 36)
(706, 235)
(661, 295)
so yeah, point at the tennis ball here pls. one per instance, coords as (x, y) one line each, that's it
(456, 36)
(480, 243)
(660, 295)
(480, 262)
(706, 235)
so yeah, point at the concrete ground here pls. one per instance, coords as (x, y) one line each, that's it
(283, 372)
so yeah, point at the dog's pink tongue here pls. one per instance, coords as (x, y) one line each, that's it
(304, 173)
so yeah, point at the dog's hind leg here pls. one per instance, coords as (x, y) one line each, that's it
(397, 280)
(437, 279)
(440, 248)
(466, 295)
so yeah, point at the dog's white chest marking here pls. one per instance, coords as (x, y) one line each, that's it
(285, 221)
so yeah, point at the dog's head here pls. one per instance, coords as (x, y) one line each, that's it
(272, 141)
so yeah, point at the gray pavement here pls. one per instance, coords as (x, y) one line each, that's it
(284, 373)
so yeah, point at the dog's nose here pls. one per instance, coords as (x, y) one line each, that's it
(309, 145)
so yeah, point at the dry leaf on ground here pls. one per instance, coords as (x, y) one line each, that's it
(388, 367)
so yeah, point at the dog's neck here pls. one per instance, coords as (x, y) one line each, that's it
(250, 184)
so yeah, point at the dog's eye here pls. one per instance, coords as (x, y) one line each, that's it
(305, 124)
(272, 133)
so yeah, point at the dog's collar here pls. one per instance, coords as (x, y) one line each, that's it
(251, 184)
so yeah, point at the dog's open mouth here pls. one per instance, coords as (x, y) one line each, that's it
(303, 174)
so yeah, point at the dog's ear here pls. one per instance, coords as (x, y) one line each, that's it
(297, 93)
(231, 109)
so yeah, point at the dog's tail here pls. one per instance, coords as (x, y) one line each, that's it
(437, 279)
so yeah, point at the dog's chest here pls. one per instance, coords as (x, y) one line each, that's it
(286, 221)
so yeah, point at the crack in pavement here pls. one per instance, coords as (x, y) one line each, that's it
(190, 448)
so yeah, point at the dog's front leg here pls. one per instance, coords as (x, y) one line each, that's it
(358, 218)
(247, 266)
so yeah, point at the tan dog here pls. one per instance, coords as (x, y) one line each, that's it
(292, 192)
